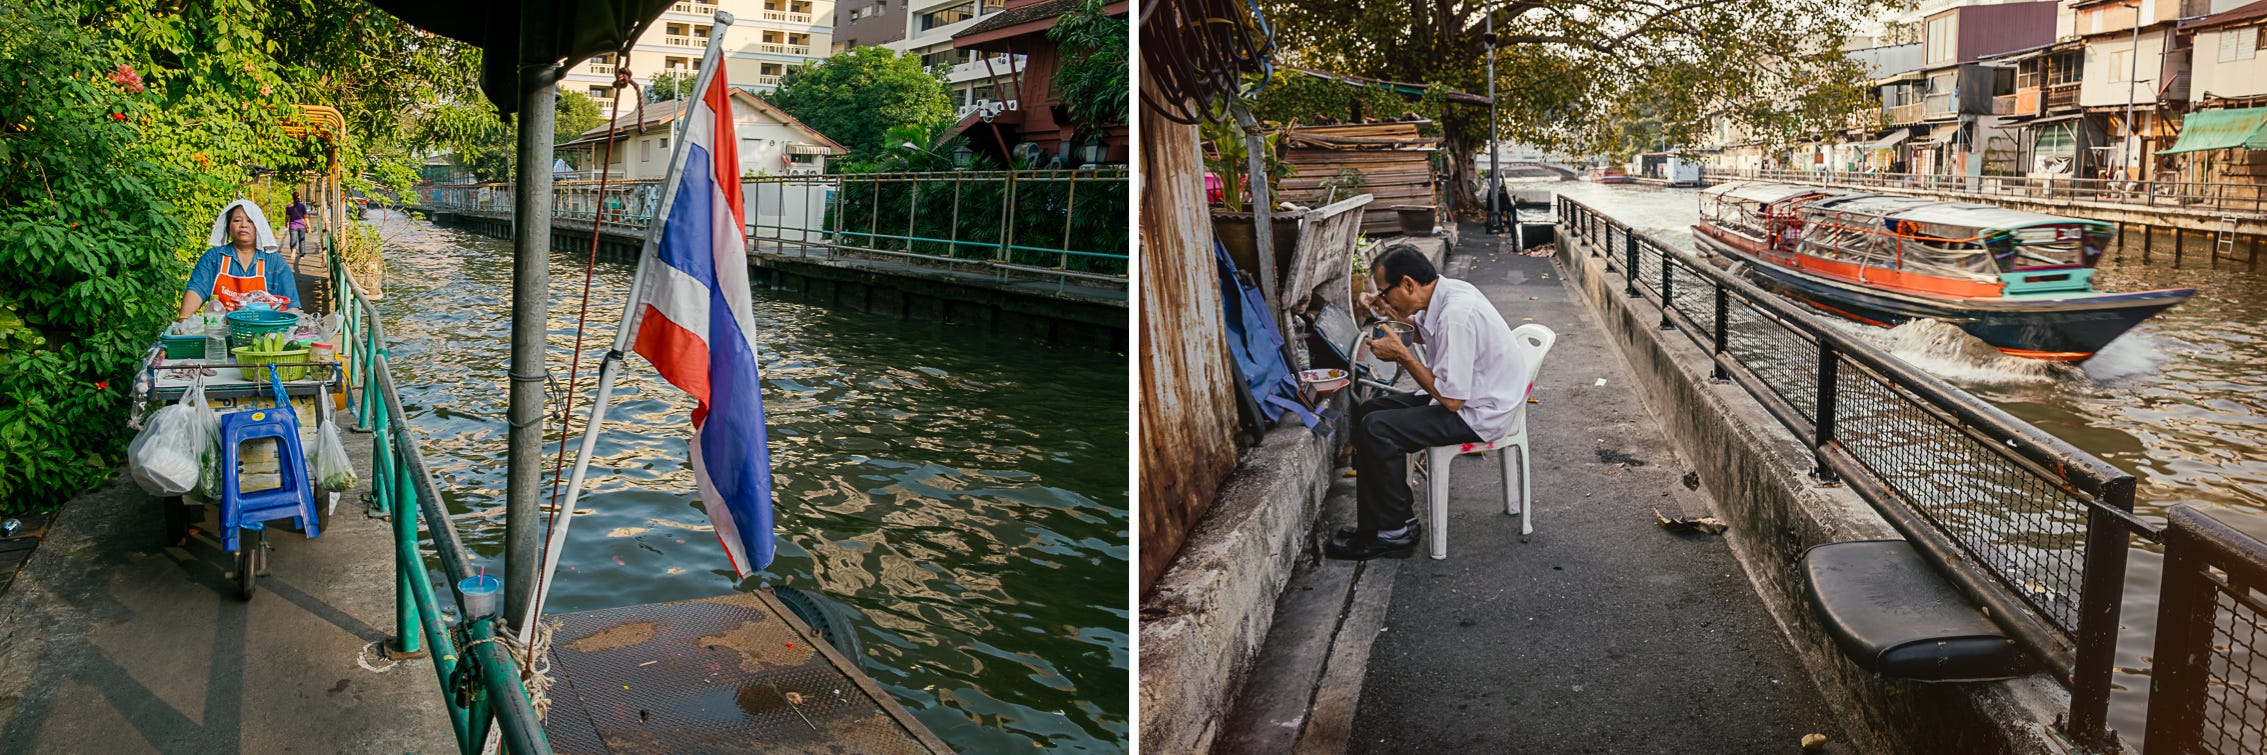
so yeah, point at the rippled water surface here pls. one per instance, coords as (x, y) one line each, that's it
(2179, 401)
(962, 496)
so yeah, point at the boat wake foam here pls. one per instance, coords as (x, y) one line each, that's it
(1944, 350)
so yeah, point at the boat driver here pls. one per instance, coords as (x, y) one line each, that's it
(242, 259)
(1473, 382)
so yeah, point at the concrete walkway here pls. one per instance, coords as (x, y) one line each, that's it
(1601, 632)
(111, 642)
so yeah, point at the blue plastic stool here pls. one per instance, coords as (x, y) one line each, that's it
(240, 510)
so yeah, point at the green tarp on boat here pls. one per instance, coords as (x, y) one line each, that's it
(2222, 129)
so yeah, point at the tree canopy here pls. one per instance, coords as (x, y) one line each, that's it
(1092, 82)
(124, 127)
(668, 86)
(1569, 72)
(859, 94)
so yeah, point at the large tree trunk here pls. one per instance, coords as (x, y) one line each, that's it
(1458, 149)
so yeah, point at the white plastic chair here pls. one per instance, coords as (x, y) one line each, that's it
(1533, 341)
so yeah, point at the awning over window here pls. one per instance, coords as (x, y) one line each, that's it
(2244, 128)
(800, 148)
(1893, 139)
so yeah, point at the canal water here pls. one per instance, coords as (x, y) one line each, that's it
(963, 497)
(2180, 401)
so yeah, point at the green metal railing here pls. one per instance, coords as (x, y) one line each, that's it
(1049, 223)
(479, 680)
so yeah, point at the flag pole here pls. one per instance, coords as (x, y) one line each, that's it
(711, 66)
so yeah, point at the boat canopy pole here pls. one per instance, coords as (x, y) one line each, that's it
(711, 63)
(531, 292)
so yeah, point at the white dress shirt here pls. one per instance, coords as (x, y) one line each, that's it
(1472, 356)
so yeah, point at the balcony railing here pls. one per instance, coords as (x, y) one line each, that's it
(2003, 105)
(597, 67)
(787, 17)
(2062, 95)
(677, 41)
(780, 49)
(1939, 106)
(700, 9)
(764, 80)
(1902, 115)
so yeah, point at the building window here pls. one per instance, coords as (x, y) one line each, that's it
(952, 15)
(800, 159)
(645, 152)
(1942, 34)
(598, 93)
(2240, 44)
(2121, 66)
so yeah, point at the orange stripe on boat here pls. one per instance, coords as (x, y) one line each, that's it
(2051, 356)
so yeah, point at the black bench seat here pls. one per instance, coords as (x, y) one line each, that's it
(1894, 615)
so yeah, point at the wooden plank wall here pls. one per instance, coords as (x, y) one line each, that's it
(1394, 162)
(1187, 404)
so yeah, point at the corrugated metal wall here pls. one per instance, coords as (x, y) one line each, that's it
(1187, 407)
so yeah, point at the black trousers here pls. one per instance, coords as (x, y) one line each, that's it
(1386, 429)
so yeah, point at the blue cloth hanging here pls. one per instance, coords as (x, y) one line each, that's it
(1256, 346)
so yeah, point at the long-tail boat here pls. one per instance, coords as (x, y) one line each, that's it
(2020, 281)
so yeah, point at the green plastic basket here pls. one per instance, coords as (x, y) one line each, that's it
(183, 347)
(244, 325)
(253, 364)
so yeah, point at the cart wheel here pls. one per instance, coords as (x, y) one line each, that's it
(251, 559)
(176, 521)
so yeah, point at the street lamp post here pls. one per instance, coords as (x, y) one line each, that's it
(2132, 77)
(1495, 152)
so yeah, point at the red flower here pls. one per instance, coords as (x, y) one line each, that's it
(126, 79)
(118, 116)
(102, 385)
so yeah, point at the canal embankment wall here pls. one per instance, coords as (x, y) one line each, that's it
(1208, 616)
(1046, 310)
(1759, 474)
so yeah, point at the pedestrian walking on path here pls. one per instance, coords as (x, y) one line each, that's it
(1472, 383)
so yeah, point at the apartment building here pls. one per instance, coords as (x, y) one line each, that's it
(972, 78)
(766, 40)
(865, 23)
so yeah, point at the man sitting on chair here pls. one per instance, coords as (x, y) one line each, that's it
(1473, 382)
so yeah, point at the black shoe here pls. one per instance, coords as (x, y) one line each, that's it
(1363, 546)
(1348, 533)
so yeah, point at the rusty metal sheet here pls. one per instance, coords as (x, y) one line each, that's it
(1187, 405)
(734, 673)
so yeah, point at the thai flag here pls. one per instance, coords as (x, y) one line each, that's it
(696, 325)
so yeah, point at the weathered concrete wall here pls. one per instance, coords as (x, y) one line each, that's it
(1204, 623)
(1757, 473)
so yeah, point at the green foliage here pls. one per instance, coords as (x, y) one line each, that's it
(1228, 155)
(124, 127)
(668, 86)
(963, 215)
(1293, 97)
(856, 96)
(485, 145)
(1569, 72)
(1092, 82)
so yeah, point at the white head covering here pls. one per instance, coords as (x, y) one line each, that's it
(262, 237)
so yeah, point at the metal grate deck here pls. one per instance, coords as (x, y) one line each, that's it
(716, 675)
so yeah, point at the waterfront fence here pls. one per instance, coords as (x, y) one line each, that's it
(1048, 224)
(2215, 198)
(479, 680)
(2210, 677)
(2031, 528)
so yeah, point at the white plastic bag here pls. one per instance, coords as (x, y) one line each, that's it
(333, 471)
(208, 421)
(168, 457)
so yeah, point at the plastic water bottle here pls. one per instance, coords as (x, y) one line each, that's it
(216, 335)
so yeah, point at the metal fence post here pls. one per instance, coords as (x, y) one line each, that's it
(2099, 604)
(1829, 368)
(1629, 277)
(2184, 642)
(1668, 290)
(1723, 302)
(408, 624)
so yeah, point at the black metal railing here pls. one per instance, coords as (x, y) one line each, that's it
(2032, 529)
(2210, 692)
